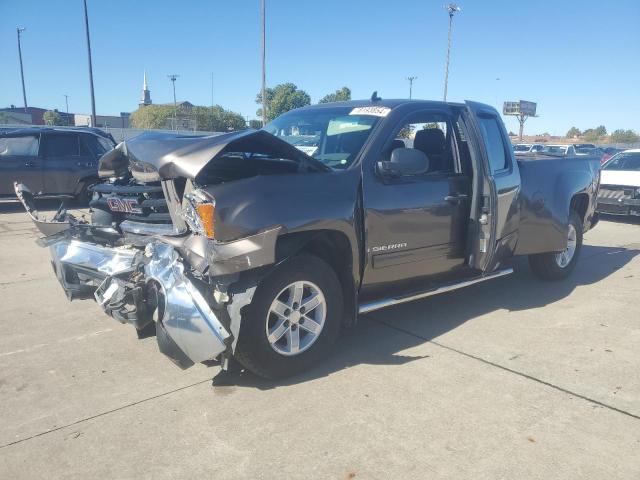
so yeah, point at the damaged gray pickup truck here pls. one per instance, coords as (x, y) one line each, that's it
(258, 246)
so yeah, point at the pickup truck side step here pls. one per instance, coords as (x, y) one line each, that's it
(387, 302)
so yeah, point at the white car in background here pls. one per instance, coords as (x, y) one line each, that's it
(559, 150)
(620, 184)
(522, 148)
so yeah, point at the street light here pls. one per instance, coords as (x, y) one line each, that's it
(24, 91)
(66, 101)
(93, 99)
(264, 62)
(452, 8)
(410, 80)
(173, 77)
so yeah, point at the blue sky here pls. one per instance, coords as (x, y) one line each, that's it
(578, 59)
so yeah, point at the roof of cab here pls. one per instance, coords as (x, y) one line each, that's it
(389, 103)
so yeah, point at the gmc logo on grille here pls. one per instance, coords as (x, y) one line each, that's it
(127, 205)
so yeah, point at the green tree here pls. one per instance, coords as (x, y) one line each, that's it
(601, 130)
(151, 116)
(341, 95)
(51, 117)
(217, 119)
(624, 136)
(573, 132)
(255, 124)
(281, 99)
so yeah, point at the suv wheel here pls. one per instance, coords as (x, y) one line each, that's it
(556, 266)
(293, 319)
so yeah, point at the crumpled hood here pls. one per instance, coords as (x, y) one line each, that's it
(172, 155)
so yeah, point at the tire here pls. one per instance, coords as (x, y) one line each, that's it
(552, 266)
(279, 359)
(84, 196)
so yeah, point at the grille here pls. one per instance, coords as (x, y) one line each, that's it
(615, 193)
(613, 208)
(137, 203)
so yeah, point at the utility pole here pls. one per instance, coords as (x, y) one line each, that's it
(452, 8)
(66, 101)
(410, 80)
(173, 77)
(24, 91)
(93, 98)
(211, 92)
(264, 63)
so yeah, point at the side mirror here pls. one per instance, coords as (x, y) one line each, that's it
(403, 162)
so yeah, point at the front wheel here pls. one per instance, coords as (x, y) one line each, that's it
(557, 266)
(293, 319)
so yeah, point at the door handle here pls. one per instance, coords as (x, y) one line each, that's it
(457, 198)
(29, 164)
(85, 164)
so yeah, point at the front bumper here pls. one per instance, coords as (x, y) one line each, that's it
(141, 288)
(619, 206)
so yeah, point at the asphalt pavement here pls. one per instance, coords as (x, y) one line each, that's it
(513, 379)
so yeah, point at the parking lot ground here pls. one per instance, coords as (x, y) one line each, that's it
(510, 379)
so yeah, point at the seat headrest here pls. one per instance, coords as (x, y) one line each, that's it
(430, 141)
(397, 143)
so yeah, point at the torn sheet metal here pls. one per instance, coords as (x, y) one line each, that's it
(185, 314)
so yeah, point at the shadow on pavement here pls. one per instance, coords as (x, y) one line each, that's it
(371, 342)
(628, 219)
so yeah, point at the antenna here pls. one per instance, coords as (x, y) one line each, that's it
(375, 97)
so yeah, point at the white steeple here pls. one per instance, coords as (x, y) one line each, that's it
(145, 99)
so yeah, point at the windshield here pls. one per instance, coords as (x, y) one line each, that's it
(521, 148)
(555, 150)
(333, 136)
(624, 161)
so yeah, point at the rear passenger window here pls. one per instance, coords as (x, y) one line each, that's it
(20, 146)
(494, 142)
(61, 146)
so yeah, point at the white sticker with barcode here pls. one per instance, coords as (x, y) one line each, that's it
(375, 111)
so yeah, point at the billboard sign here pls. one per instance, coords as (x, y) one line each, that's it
(521, 107)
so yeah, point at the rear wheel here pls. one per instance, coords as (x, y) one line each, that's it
(293, 319)
(556, 266)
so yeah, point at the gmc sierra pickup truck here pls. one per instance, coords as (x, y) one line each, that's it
(260, 245)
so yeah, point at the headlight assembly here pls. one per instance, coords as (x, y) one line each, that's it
(199, 211)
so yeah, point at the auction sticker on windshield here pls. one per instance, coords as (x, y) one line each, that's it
(309, 150)
(375, 111)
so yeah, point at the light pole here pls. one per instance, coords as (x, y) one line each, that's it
(410, 80)
(452, 8)
(66, 101)
(264, 62)
(173, 77)
(24, 91)
(93, 99)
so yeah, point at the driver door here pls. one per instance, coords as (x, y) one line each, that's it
(416, 225)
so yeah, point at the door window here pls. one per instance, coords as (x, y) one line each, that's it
(19, 146)
(61, 146)
(430, 133)
(491, 131)
(91, 145)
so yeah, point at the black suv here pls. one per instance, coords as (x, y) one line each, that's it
(51, 161)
